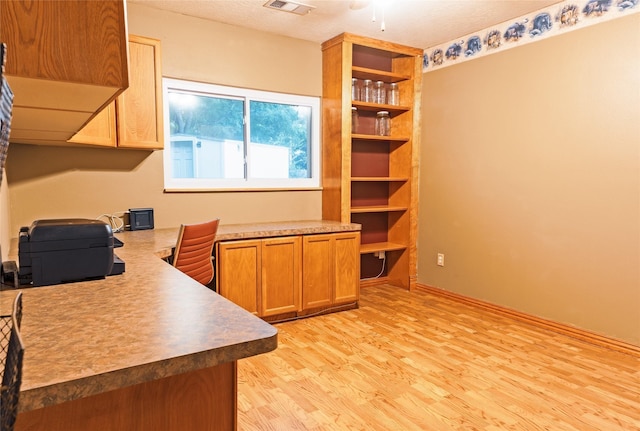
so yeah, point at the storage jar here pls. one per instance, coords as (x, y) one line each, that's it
(380, 93)
(383, 124)
(355, 89)
(354, 119)
(394, 94)
(367, 91)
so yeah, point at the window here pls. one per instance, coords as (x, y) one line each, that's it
(232, 138)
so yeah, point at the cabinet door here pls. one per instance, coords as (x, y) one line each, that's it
(140, 106)
(347, 267)
(101, 130)
(134, 120)
(330, 269)
(281, 275)
(65, 60)
(318, 253)
(239, 274)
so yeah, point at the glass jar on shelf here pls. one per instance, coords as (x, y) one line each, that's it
(355, 89)
(383, 124)
(367, 91)
(379, 93)
(354, 120)
(394, 94)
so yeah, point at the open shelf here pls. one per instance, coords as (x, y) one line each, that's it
(380, 246)
(375, 107)
(378, 209)
(362, 137)
(379, 179)
(377, 75)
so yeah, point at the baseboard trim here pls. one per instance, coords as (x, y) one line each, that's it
(581, 334)
(367, 282)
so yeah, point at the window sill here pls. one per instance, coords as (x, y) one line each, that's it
(240, 190)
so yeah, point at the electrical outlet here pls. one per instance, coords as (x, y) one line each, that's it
(440, 260)
(381, 255)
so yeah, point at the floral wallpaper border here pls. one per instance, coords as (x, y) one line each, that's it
(550, 21)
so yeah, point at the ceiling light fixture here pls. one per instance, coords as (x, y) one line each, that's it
(381, 5)
(289, 6)
(377, 5)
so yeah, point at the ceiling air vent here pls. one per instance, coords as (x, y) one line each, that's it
(289, 6)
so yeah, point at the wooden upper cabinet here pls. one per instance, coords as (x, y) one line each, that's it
(101, 130)
(134, 120)
(66, 60)
(139, 109)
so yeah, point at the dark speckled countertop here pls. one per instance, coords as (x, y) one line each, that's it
(151, 322)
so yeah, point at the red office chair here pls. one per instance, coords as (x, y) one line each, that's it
(193, 252)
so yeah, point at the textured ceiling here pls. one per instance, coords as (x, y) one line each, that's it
(417, 23)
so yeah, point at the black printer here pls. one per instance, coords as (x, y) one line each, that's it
(63, 250)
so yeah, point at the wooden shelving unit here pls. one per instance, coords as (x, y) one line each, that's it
(370, 179)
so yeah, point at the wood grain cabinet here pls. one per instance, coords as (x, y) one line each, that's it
(261, 276)
(371, 179)
(66, 60)
(239, 273)
(331, 269)
(101, 130)
(134, 119)
(281, 276)
(291, 274)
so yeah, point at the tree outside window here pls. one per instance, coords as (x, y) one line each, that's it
(225, 134)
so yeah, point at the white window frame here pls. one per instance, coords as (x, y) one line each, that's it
(209, 184)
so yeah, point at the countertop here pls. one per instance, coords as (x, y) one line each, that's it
(90, 337)
(265, 230)
(151, 322)
(164, 239)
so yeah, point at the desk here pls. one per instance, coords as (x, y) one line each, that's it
(283, 271)
(162, 240)
(149, 349)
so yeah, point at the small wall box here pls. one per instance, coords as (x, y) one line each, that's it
(140, 218)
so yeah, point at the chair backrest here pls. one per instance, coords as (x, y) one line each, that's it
(12, 373)
(193, 252)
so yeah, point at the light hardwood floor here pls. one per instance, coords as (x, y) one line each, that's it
(417, 361)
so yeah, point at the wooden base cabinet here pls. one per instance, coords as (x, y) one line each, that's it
(331, 269)
(281, 276)
(261, 276)
(239, 278)
(288, 275)
(203, 399)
